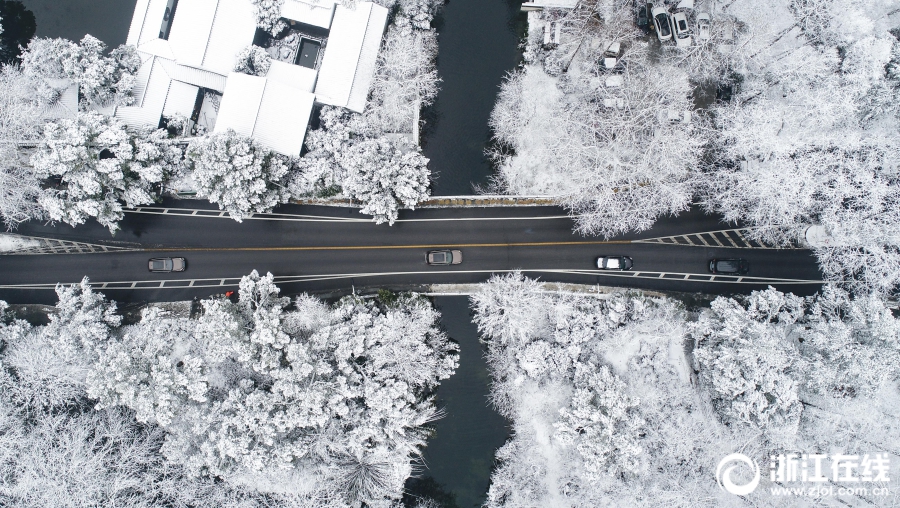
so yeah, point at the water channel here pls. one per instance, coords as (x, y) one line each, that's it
(478, 44)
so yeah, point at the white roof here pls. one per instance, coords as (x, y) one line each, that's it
(233, 30)
(146, 22)
(66, 106)
(350, 54)
(180, 99)
(296, 76)
(271, 112)
(205, 34)
(147, 111)
(198, 77)
(313, 12)
(190, 31)
(544, 4)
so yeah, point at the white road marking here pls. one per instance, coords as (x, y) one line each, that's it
(288, 279)
(217, 214)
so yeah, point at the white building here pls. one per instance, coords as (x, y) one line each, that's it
(189, 48)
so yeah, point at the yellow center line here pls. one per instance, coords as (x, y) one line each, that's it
(388, 247)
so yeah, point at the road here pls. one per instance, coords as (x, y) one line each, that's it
(325, 249)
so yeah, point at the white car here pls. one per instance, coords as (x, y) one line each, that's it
(682, 30)
(703, 23)
(662, 24)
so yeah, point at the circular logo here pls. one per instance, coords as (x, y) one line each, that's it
(723, 474)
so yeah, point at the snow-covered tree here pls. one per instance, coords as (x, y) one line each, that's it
(268, 15)
(309, 401)
(602, 422)
(101, 79)
(405, 79)
(617, 146)
(22, 106)
(347, 151)
(809, 136)
(748, 361)
(384, 178)
(98, 164)
(17, 27)
(238, 173)
(253, 60)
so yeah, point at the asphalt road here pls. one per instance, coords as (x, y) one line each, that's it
(326, 249)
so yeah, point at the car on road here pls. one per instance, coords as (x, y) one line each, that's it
(444, 257)
(682, 30)
(614, 263)
(703, 26)
(662, 23)
(166, 265)
(729, 266)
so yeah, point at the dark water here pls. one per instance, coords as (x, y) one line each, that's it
(460, 456)
(107, 20)
(478, 44)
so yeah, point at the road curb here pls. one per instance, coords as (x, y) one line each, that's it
(446, 201)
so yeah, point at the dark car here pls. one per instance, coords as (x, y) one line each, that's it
(729, 266)
(614, 263)
(444, 257)
(643, 20)
(166, 265)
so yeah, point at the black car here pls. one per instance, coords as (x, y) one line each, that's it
(729, 266)
(614, 263)
(643, 18)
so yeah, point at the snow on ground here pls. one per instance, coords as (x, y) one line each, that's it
(15, 243)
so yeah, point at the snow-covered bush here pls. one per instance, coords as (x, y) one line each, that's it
(268, 15)
(238, 173)
(101, 79)
(384, 178)
(253, 60)
(417, 13)
(99, 164)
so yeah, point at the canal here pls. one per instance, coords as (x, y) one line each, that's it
(478, 45)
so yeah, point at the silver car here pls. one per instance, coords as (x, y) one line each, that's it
(662, 23)
(443, 257)
(166, 265)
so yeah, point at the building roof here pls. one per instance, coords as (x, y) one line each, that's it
(150, 99)
(349, 61)
(296, 76)
(181, 99)
(205, 34)
(271, 112)
(312, 12)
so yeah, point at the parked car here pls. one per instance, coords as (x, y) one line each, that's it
(729, 266)
(166, 265)
(443, 257)
(614, 263)
(662, 23)
(682, 30)
(703, 26)
(642, 19)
